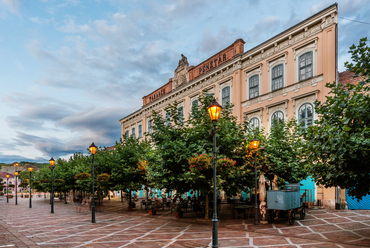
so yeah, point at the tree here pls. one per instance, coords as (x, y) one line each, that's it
(284, 153)
(126, 158)
(339, 143)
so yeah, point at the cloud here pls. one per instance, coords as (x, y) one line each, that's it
(9, 159)
(70, 27)
(11, 5)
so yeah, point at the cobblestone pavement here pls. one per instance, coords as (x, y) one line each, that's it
(21, 226)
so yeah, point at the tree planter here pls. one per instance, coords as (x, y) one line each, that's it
(10, 196)
(26, 196)
(152, 212)
(129, 208)
(179, 214)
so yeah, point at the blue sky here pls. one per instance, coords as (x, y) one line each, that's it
(70, 69)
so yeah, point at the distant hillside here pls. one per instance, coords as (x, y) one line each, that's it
(10, 168)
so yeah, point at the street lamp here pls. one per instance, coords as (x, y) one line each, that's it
(254, 145)
(93, 149)
(30, 170)
(7, 188)
(52, 162)
(214, 112)
(16, 177)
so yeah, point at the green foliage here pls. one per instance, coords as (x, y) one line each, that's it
(339, 143)
(284, 153)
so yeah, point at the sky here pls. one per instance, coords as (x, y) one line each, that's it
(71, 69)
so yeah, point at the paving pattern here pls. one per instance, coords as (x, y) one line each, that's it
(21, 226)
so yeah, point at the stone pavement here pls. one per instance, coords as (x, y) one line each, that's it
(21, 226)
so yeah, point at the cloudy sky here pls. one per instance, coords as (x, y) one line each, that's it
(70, 69)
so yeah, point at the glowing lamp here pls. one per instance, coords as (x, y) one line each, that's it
(7, 176)
(30, 169)
(16, 164)
(93, 148)
(214, 110)
(255, 143)
(16, 173)
(52, 161)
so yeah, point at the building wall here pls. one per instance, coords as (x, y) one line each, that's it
(315, 34)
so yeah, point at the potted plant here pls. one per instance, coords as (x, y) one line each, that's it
(177, 209)
(153, 207)
(22, 195)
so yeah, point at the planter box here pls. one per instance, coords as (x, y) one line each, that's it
(26, 196)
(10, 196)
(129, 208)
(179, 214)
(152, 212)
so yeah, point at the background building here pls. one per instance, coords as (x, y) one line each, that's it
(280, 78)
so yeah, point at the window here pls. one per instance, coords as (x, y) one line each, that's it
(277, 77)
(278, 116)
(127, 134)
(194, 104)
(181, 113)
(305, 66)
(225, 95)
(140, 128)
(133, 133)
(254, 123)
(305, 115)
(253, 86)
(167, 118)
(150, 129)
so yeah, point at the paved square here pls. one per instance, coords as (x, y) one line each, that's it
(21, 226)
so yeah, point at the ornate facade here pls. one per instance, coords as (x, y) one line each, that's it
(279, 78)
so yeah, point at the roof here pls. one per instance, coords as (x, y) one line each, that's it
(3, 174)
(347, 77)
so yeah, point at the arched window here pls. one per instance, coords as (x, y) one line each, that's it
(278, 116)
(277, 77)
(225, 95)
(254, 123)
(305, 115)
(305, 66)
(253, 86)
(181, 113)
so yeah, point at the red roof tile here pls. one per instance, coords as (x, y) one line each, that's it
(347, 77)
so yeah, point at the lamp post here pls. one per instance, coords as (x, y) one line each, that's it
(52, 162)
(30, 170)
(214, 112)
(7, 188)
(254, 145)
(16, 177)
(93, 149)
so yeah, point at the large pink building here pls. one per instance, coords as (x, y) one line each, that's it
(280, 78)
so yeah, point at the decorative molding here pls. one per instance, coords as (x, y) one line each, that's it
(253, 111)
(315, 92)
(285, 102)
(294, 87)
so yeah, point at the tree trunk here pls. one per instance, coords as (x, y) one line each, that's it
(129, 204)
(121, 196)
(65, 197)
(207, 208)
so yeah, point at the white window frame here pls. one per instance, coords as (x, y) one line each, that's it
(182, 104)
(310, 46)
(138, 133)
(279, 106)
(192, 99)
(127, 135)
(133, 127)
(280, 59)
(223, 84)
(298, 101)
(147, 125)
(251, 73)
